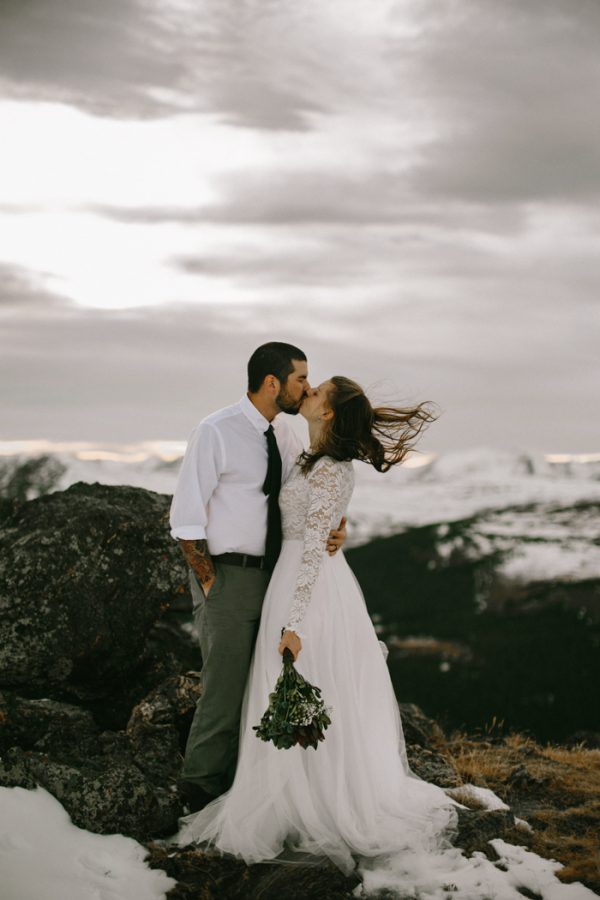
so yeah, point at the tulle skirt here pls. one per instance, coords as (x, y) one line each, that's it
(355, 795)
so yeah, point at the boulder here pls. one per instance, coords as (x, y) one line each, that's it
(426, 747)
(159, 726)
(104, 782)
(430, 765)
(99, 793)
(84, 575)
(45, 725)
(476, 827)
(171, 650)
(419, 728)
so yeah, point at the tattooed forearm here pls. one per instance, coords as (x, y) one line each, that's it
(198, 557)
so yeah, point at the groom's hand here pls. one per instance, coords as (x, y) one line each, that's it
(337, 538)
(206, 586)
(197, 556)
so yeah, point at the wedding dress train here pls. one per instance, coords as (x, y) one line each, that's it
(355, 795)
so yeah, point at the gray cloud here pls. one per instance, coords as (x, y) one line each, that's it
(103, 57)
(513, 88)
(328, 263)
(21, 289)
(444, 273)
(323, 198)
(143, 58)
(68, 373)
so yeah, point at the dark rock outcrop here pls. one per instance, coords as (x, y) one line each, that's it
(45, 725)
(170, 650)
(101, 777)
(84, 574)
(431, 765)
(477, 826)
(426, 747)
(126, 780)
(208, 875)
(159, 726)
(105, 793)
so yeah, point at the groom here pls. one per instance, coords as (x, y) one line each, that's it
(225, 515)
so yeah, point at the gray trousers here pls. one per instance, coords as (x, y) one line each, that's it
(227, 623)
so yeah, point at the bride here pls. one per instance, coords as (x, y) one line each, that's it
(355, 796)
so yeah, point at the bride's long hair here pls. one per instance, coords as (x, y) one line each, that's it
(381, 436)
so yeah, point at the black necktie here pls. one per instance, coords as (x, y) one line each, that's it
(271, 487)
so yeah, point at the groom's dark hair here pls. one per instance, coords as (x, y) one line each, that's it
(274, 358)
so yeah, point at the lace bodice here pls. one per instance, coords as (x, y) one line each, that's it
(310, 507)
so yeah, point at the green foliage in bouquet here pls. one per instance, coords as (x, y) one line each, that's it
(296, 713)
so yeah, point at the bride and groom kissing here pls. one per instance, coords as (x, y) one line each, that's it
(260, 522)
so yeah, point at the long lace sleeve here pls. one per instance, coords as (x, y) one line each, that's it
(325, 482)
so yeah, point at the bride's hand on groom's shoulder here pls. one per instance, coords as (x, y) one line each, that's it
(337, 537)
(290, 640)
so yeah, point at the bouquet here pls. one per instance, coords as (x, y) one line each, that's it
(296, 713)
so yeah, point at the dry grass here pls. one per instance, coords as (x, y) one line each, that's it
(554, 788)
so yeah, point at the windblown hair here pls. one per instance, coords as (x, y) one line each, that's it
(381, 436)
(274, 358)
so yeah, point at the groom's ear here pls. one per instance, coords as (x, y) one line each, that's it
(272, 384)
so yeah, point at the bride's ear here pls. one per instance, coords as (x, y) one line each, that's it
(328, 414)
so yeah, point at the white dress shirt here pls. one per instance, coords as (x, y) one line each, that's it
(219, 493)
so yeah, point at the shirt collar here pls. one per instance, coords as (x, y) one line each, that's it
(252, 413)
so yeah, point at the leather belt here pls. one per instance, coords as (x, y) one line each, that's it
(241, 559)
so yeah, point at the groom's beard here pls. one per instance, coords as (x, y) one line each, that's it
(286, 404)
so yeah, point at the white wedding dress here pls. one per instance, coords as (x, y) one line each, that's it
(355, 795)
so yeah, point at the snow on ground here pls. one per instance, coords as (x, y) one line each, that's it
(449, 873)
(44, 856)
(542, 562)
(542, 544)
(474, 795)
(467, 483)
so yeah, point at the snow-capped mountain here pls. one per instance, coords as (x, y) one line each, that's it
(539, 507)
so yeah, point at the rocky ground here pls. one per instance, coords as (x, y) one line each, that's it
(98, 684)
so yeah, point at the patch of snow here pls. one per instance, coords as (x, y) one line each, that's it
(572, 560)
(44, 856)
(483, 797)
(524, 824)
(529, 870)
(449, 873)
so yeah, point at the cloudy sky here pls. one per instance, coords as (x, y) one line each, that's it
(407, 190)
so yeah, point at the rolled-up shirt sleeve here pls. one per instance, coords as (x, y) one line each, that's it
(202, 464)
